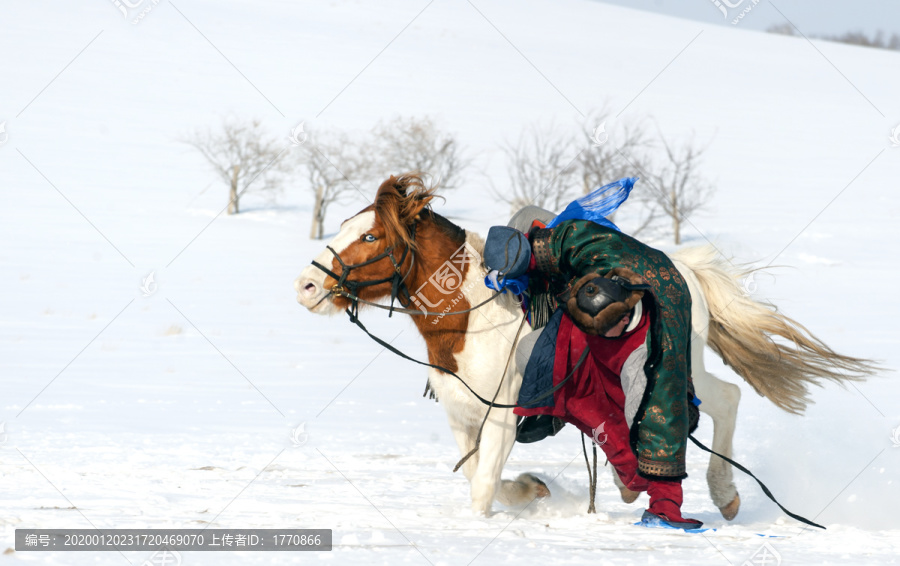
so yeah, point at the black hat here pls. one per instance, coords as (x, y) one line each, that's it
(601, 292)
(506, 250)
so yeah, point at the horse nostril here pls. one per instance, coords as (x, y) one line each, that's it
(310, 288)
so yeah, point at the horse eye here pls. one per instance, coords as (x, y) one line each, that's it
(368, 238)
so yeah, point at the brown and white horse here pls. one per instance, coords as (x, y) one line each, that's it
(439, 263)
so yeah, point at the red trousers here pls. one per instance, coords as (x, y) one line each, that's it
(592, 399)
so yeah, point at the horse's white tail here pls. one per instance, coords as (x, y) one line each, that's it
(743, 332)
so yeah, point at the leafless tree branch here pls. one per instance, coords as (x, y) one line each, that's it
(337, 166)
(542, 168)
(417, 144)
(244, 157)
(678, 188)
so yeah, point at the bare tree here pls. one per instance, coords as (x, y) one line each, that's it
(336, 167)
(610, 156)
(546, 169)
(542, 169)
(781, 29)
(860, 38)
(678, 188)
(852, 37)
(244, 157)
(640, 214)
(417, 144)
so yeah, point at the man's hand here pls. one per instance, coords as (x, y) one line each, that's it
(619, 328)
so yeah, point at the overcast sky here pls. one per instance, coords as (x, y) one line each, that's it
(813, 17)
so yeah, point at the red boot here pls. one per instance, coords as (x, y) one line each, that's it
(666, 498)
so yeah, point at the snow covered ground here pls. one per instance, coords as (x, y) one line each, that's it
(177, 409)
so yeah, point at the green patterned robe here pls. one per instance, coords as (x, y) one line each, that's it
(575, 248)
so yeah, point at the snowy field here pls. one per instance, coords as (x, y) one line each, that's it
(181, 409)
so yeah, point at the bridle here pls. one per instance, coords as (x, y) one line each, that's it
(349, 289)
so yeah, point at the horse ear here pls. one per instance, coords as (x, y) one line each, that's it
(416, 197)
(400, 184)
(413, 215)
(390, 188)
(398, 204)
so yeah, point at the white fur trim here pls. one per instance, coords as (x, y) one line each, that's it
(635, 317)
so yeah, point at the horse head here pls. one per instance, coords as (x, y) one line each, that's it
(371, 249)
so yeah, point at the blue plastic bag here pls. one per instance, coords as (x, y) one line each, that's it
(598, 204)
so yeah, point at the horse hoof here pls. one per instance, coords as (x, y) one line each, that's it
(538, 488)
(730, 511)
(628, 496)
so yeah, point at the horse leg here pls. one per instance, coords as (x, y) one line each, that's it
(628, 496)
(495, 446)
(719, 400)
(465, 439)
(522, 490)
(511, 492)
(497, 440)
(526, 487)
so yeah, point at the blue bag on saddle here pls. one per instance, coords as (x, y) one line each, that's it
(594, 206)
(598, 204)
